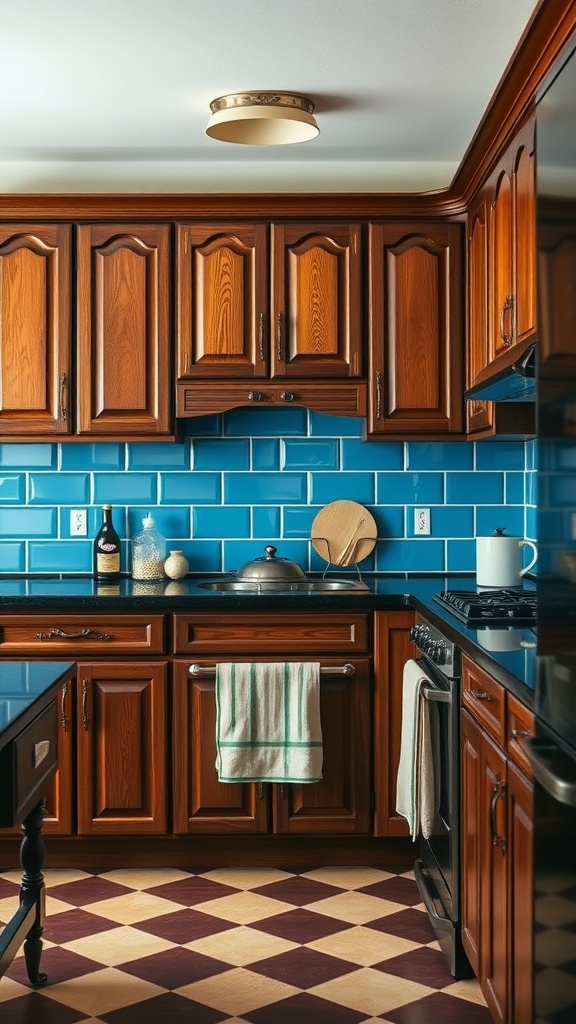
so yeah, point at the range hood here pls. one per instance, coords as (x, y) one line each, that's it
(515, 383)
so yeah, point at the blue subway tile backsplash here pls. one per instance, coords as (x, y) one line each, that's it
(234, 482)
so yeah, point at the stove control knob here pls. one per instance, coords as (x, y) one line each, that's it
(438, 652)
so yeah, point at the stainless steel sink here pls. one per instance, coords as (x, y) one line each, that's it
(285, 586)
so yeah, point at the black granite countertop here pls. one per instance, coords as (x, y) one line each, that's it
(514, 669)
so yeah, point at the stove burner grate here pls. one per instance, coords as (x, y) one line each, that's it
(490, 607)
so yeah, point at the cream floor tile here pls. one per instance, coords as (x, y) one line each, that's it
(371, 991)
(466, 989)
(118, 945)
(54, 906)
(131, 907)
(102, 991)
(144, 878)
(355, 907)
(238, 991)
(12, 989)
(244, 907)
(241, 946)
(246, 878)
(61, 876)
(362, 946)
(348, 877)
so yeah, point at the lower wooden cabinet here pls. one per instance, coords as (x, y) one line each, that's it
(392, 649)
(496, 846)
(339, 803)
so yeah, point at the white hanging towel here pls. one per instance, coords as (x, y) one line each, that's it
(268, 722)
(416, 784)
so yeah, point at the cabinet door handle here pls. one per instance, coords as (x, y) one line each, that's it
(63, 395)
(280, 337)
(63, 715)
(378, 394)
(508, 307)
(498, 792)
(85, 722)
(85, 634)
(261, 333)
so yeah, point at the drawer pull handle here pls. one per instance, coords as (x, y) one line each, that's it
(85, 705)
(41, 751)
(85, 634)
(63, 715)
(480, 695)
(498, 792)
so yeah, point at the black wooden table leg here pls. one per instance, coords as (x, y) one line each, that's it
(32, 892)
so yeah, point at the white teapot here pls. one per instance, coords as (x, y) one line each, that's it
(499, 560)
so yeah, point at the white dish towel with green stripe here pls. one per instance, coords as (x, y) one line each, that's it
(268, 722)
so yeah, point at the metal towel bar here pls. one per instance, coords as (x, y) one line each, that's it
(328, 670)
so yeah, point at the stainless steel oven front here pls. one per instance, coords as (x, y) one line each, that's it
(437, 868)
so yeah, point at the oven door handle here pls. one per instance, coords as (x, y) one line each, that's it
(436, 696)
(562, 790)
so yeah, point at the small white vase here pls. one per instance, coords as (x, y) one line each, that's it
(176, 565)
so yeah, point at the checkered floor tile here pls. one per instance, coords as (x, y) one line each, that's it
(338, 945)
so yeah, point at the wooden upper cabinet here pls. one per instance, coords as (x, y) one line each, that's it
(512, 248)
(123, 355)
(416, 329)
(243, 312)
(35, 329)
(316, 317)
(222, 300)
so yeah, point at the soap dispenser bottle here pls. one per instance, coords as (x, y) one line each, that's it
(148, 552)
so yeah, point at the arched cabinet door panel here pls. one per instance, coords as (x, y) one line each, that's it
(123, 353)
(35, 325)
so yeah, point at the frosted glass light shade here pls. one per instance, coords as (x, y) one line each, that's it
(262, 119)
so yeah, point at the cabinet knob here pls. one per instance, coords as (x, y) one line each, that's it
(287, 396)
(255, 396)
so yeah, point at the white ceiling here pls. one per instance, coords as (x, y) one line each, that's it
(113, 95)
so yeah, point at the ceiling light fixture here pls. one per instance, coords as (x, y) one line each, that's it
(262, 118)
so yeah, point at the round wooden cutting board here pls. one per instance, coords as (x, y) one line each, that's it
(343, 533)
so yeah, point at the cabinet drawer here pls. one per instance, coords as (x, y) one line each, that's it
(27, 765)
(520, 724)
(484, 698)
(81, 634)
(262, 633)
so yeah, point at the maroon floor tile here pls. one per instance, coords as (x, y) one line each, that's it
(87, 890)
(185, 925)
(307, 1008)
(427, 966)
(59, 964)
(8, 889)
(406, 924)
(303, 967)
(301, 925)
(75, 924)
(169, 1008)
(37, 1009)
(439, 1009)
(193, 890)
(299, 891)
(397, 890)
(173, 968)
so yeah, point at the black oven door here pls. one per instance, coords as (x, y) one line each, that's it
(437, 869)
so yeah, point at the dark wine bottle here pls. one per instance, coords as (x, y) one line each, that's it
(107, 549)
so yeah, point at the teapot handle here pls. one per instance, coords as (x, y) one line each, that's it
(531, 544)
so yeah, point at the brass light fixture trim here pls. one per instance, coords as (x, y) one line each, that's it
(262, 118)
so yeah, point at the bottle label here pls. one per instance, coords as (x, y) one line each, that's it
(108, 563)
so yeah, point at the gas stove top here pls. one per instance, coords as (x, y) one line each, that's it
(490, 607)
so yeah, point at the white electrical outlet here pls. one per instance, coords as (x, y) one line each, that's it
(422, 520)
(78, 522)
